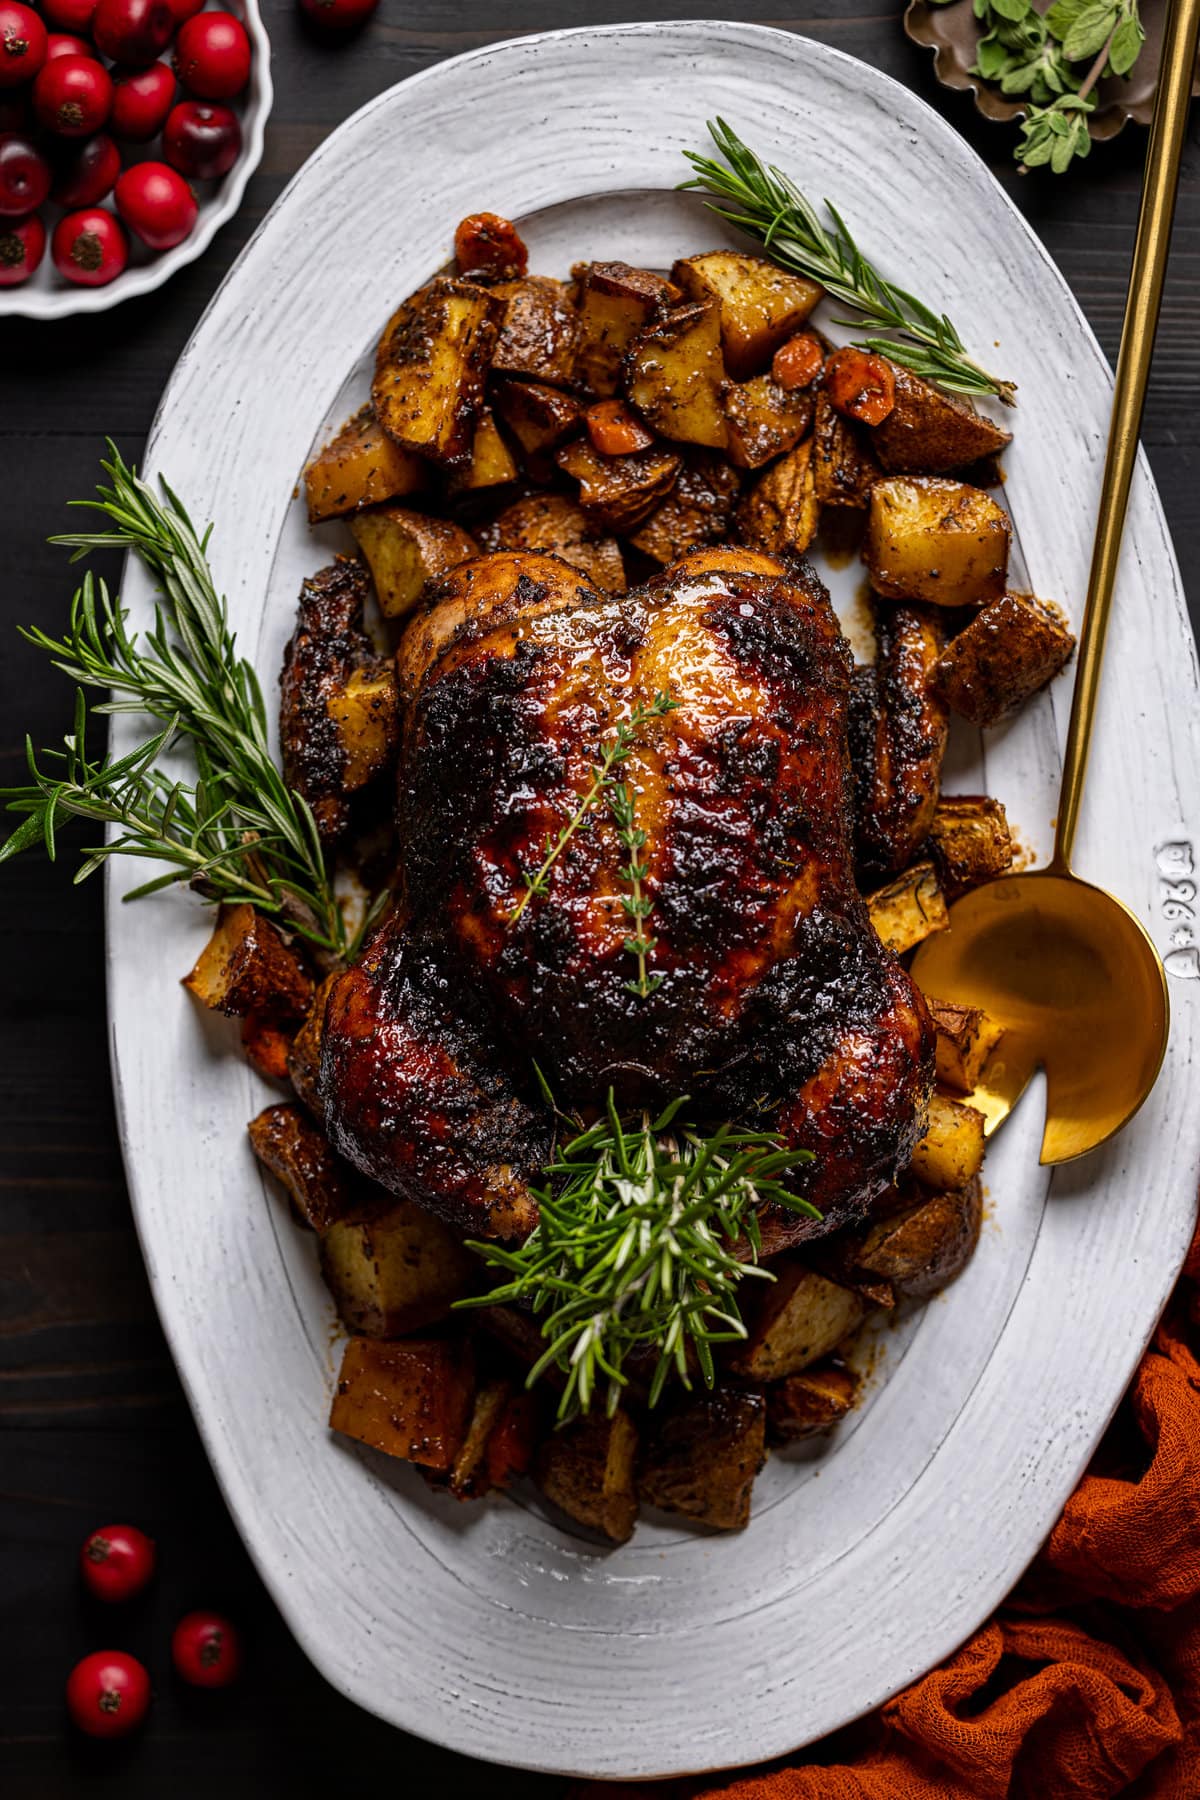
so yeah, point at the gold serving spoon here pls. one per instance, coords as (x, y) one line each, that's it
(1063, 966)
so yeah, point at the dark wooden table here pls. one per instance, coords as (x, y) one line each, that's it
(95, 1425)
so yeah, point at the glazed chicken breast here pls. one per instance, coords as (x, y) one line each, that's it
(775, 1000)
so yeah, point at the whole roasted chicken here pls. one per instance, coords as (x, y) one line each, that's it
(770, 997)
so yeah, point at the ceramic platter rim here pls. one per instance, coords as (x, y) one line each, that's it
(499, 1634)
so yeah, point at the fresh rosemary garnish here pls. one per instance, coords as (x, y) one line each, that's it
(613, 751)
(646, 1231)
(637, 903)
(767, 204)
(238, 832)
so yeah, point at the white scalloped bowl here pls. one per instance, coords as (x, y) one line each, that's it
(47, 296)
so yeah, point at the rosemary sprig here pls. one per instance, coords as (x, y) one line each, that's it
(766, 203)
(613, 751)
(238, 832)
(637, 1248)
(637, 903)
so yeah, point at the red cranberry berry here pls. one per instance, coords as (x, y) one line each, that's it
(202, 139)
(89, 247)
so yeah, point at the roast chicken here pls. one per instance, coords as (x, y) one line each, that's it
(776, 1003)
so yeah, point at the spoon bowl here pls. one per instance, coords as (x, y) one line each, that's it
(1077, 984)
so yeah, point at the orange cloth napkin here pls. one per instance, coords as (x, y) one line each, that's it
(1086, 1683)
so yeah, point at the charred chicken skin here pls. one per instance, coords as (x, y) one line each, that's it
(776, 1001)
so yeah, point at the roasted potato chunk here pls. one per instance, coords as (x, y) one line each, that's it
(365, 712)
(587, 1469)
(764, 419)
(406, 549)
(936, 540)
(617, 492)
(395, 1272)
(304, 1052)
(843, 466)
(800, 1406)
(430, 368)
(970, 840)
(321, 1187)
(761, 304)
(615, 303)
(801, 1317)
(950, 1155)
(920, 1250)
(703, 1456)
(469, 1476)
(910, 908)
(780, 511)
(539, 417)
(1009, 651)
(966, 1037)
(246, 967)
(556, 525)
(674, 374)
(699, 510)
(539, 333)
(361, 466)
(411, 1399)
(492, 462)
(928, 432)
(898, 732)
(267, 1046)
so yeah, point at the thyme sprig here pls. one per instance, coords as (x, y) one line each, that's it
(613, 751)
(637, 903)
(237, 832)
(647, 1229)
(761, 200)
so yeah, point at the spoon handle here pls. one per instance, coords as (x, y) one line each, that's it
(1142, 303)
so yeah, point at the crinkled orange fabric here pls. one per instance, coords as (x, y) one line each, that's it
(1086, 1683)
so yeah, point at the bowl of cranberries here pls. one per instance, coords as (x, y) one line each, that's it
(128, 131)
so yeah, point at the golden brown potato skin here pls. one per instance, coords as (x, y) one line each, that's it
(703, 1456)
(1007, 653)
(898, 730)
(929, 432)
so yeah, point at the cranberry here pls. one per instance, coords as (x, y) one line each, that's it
(70, 15)
(133, 32)
(16, 113)
(212, 55)
(117, 1561)
(156, 204)
(108, 1693)
(72, 96)
(24, 177)
(184, 9)
(206, 1650)
(202, 139)
(141, 101)
(22, 43)
(86, 173)
(339, 15)
(22, 244)
(63, 43)
(89, 247)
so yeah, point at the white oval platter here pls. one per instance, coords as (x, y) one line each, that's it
(494, 1629)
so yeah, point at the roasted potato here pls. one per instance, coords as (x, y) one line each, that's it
(304, 1052)
(554, 524)
(970, 840)
(898, 732)
(617, 492)
(1009, 651)
(937, 540)
(361, 466)
(910, 908)
(411, 1399)
(540, 417)
(928, 431)
(615, 303)
(920, 1250)
(780, 511)
(492, 462)
(966, 1037)
(430, 368)
(843, 465)
(469, 1476)
(950, 1155)
(587, 1469)
(801, 1317)
(406, 549)
(396, 1271)
(699, 510)
(674, 374)
(764, 419)
(802, 1405)
(703, 1455)
(539, 333)
(761, 304)
(321, 1187)
(365, 712)
(267, 1046)
(246, 967)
